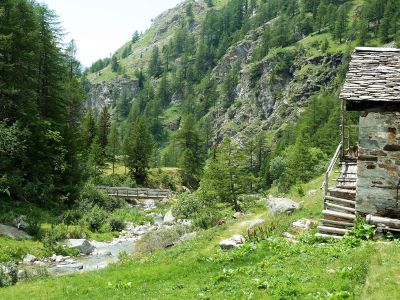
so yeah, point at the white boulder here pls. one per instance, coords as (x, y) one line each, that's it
(234, 242)
(281, 206)
(169, 218)
(28, 259)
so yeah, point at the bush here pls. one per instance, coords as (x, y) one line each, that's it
(92, 196)
(133, 215)
(160, 239)
(187, 206)
(117, 224)
(8, 274)
(96, 217)
(65, 251)
(72, 216)
(116, 180)
(207, 218)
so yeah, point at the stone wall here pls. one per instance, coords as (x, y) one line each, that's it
(379, 164)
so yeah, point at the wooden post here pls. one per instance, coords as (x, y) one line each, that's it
(342, 127)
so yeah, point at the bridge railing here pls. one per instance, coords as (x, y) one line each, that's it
(135, 192)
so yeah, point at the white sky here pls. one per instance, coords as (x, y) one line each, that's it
(100, 27)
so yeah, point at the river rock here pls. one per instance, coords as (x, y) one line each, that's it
(29, 258)
(234, 242)
(20, 222)
(169, 218)
(84, 246)
(281, 206)
(303, 224)
(39, 263)
(13, 232)
(237, 215)
(187, 236)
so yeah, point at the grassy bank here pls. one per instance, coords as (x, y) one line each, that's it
(271, 268)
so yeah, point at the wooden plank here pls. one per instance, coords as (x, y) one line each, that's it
(375, 220)
(340, 207)
(331, 236)
(340, 200)
(329, 229)
(338, 223)
(338, 214)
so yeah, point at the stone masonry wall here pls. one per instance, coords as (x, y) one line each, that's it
(379, 164)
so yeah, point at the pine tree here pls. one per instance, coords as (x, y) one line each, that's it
(89, 129)
(154, 69)
(192, 158)
(226, 175)
(113, 147)
(341, 24)
(115, 67)
(139, 150)
(103, 128)
(386, 22)
(135, 36)
(163, 93)
(95, 158)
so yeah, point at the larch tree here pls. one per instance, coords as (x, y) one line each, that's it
(114, 145)
(139, 149)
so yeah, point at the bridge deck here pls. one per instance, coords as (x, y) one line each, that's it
(135, 193)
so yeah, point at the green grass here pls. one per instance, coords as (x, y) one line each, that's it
(12, 250)
(270, 269)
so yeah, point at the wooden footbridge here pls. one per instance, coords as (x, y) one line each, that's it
(135, 193)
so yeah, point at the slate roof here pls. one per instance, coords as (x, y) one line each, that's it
(374, 75)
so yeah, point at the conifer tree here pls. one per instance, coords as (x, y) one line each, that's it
(113, 147)
(139, 150)
(226, 174)
(115, 67)
(154, 69)
(341, 24)
(89, 128)
(192, 158)
(103, 128)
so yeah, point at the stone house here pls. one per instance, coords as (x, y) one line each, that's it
(369, 181)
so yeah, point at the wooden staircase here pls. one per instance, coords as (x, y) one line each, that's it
(340, 201)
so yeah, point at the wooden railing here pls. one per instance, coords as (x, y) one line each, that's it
(325, 184)
(135, 193)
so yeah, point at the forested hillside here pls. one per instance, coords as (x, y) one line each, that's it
(265, 73)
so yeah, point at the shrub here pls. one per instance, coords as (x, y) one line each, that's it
(96, 217)
(207, 218)
(159, 239)
(117, 224)
(65, 251)
(133, 215)
(116, 180)
(8, 274)
(92, 196)
(72, 216)
(187, 206)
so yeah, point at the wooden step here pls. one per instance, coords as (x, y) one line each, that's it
(343, 179)
(331, 205)
(329, 229)
(337, 223)
(330, 198)
(342, 193)
(323, 235)
(337, 214)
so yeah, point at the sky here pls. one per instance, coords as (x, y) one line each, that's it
(99, 27)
